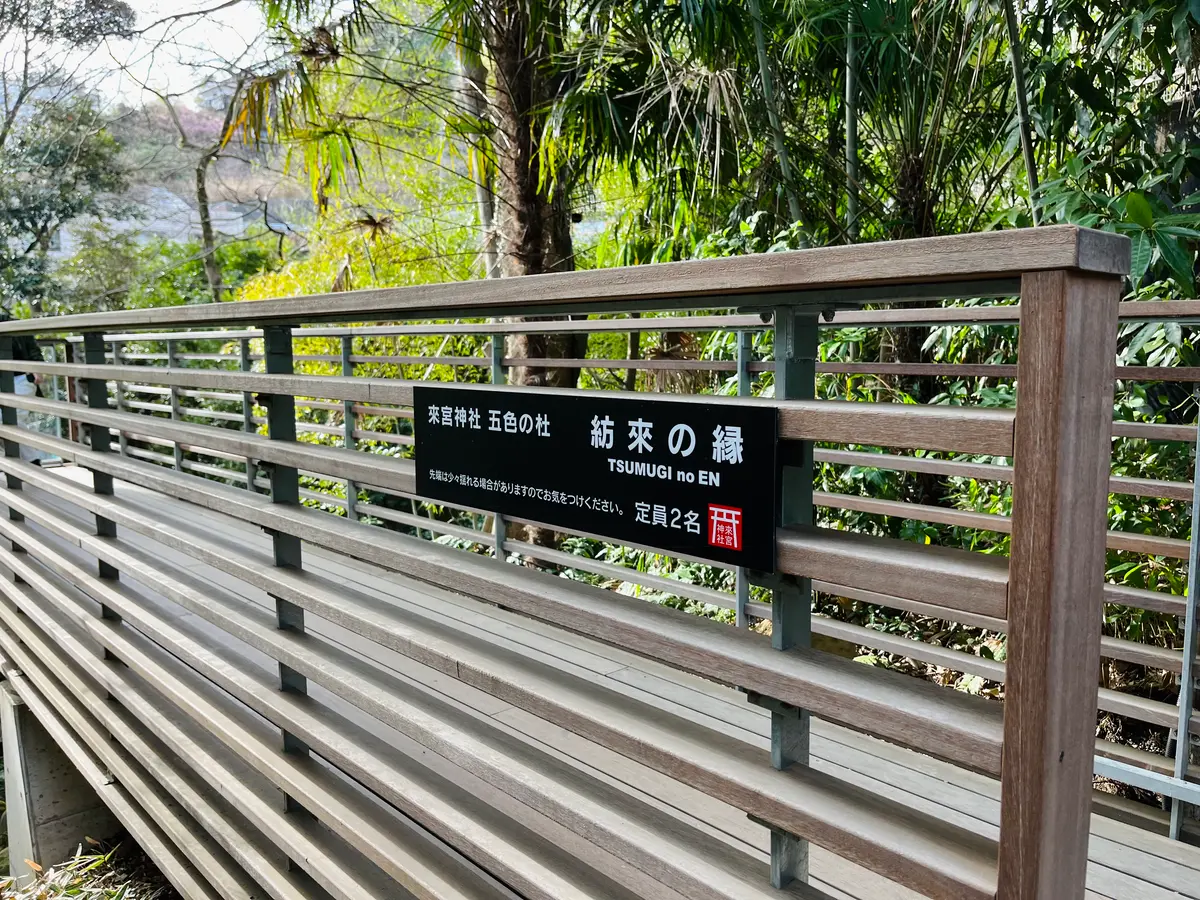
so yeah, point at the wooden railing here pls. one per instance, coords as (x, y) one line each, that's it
(1040, 743)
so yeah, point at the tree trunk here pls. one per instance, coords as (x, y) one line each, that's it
(208, 241)
(1022, 95)
(917, 208)
(473, 90)
(533, 214)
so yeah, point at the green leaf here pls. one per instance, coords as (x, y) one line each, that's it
(1183, 37)
(1137, 208)
(1143, 248)
(1178, 258)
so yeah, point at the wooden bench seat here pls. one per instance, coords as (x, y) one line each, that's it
(345, 876)
(179, 846)
(964, 729)
(742, 879)
(853, 823)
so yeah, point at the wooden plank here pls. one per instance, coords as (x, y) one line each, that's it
(990, 623)
(946, 865)
(1140, 598)
(1154, 431)
(985, 431)
(369, 468)
(1137, 487)
(974, 430)
(944, 576)
(1150, 544)
(1067, 350)
(409, 859)
(148, 795)
(971, 257)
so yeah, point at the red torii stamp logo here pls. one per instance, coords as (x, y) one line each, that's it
(724, 527)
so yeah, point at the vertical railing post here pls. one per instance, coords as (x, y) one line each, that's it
(176, 414)
(100, 440)
(791, 596)
(348, 421)
(248, 424)
(58, 421)
(118, 347)
(741, 584)
(8, 416)
(73, 353)
(1187, 677)
(285, 489)
(1061, 457)
(499, 525)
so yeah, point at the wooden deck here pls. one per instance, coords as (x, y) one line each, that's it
(1127, 861)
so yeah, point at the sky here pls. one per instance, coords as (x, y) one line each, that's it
(177, 56)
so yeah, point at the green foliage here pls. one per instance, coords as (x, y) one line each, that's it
(57, 165)
(121, 270)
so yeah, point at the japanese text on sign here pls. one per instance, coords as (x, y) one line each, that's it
(694, 478)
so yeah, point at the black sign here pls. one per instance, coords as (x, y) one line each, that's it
(690, 477)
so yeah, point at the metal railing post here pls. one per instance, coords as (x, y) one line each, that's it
(176, 414)
(285, 489)
(248, 424)
(499, 525)
(100, 440)
(118, 347)
(791, 597)
(12, 449)
(1187, 678)
(745, 349)
(348, 421)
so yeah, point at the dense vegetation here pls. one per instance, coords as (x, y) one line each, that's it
(488, 138)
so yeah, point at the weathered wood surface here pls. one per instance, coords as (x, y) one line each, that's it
(955, 579)
(984, 431)
(1126, 863)
(989, 255)
(914, 713)
(1061, 460)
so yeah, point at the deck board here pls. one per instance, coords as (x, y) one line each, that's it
(1125, 862)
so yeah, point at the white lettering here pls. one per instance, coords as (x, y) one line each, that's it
(677, 438)
(639, 436)
(602, 433)
(727, 444)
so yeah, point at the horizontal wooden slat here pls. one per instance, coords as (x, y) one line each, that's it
(972, 257)
(944, 576)
(843, 817)
(1151, 544)
(334, 461)
(902, 709)
(1137, 487)
(1010, 314)
(972, 429)
(1154, 431)
(1140, 598)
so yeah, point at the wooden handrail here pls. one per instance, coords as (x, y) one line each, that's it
(998, 256)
